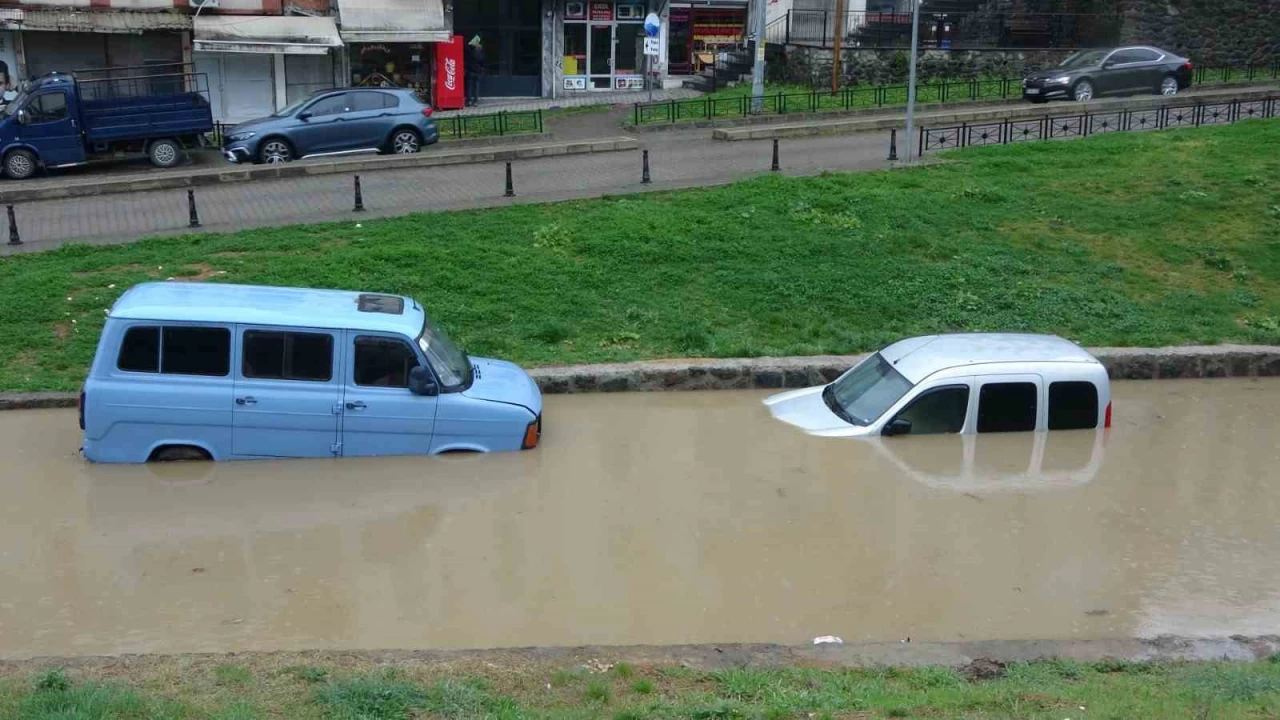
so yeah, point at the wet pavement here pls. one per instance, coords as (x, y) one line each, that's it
(659, 518)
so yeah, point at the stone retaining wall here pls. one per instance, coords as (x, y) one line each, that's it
(1212, 361)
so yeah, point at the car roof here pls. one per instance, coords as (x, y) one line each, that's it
(919, 357)
(264, 305)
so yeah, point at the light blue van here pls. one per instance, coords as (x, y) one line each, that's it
(223, 372)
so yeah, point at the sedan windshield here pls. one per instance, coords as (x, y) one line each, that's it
(1084, 59)
(450, 363)
(866, 392)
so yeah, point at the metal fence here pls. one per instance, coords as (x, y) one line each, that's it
(958, 30)
(1051, 127)
(860, 97)
(454, 127)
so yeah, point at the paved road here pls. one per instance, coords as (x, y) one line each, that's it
(682, 161)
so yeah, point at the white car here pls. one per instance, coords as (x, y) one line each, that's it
(963, 383)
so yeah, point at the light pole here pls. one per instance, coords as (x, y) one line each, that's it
(910, 143)
(757, 70)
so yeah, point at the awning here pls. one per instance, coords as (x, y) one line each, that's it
(382, 21)
(287, 34)
(114, 21)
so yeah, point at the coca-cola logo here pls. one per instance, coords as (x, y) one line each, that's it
(450, 73)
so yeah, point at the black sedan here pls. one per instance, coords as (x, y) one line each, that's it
(1090, 73)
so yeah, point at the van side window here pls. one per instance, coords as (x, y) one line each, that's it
(383, 362)
(1007, 407)
(1073, 406)
(196, 351)
(938, 411)
(287, 356)
(140, 350)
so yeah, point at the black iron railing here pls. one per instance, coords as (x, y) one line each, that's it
(958, 30)
(859, 97)
(1050, 127)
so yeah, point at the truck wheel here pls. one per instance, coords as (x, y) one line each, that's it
(165, 153)
(20, 165)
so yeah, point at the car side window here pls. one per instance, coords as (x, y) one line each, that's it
(1119, 57)
(1142, 55)
(367, 100)
(140, 350)
(937, 411)
(195, 351)
(1007, 407)
(270, 355)
(1073, 405)
(389, 101)
(49, 107)
(332, 105)
(383, 362)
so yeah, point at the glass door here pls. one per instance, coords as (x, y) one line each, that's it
(600, 59)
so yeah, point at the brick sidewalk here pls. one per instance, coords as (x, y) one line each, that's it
(675, 162)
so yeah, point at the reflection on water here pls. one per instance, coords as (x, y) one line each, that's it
(658, 518)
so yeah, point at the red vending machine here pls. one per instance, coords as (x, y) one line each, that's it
(450, 92)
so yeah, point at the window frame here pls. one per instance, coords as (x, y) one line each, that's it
(311, 108)
(160, 327)
(952, 384)
(355, 336)
(1097, 404)
(334, 353)
(36, 99)
(1037, 384)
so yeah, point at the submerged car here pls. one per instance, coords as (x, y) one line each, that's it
(331, 122)
(1088, 74)
(962, 383)
(218, 371)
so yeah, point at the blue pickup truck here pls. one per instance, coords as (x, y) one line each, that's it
(60, 119)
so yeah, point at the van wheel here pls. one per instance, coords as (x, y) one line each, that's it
(165, 153)
(20, 165)
(178, 453)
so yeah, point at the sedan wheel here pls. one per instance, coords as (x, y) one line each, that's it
(1169, 86)
(275, 152)
(405, 142)
(1083, 91)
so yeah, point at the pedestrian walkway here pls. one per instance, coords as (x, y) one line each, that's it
(676, 161)
(517, 104)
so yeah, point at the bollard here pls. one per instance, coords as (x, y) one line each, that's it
(511, 190)
(644, 175)
(191, 209)
(359, 197)
(775, 166)
(893, 144)
(13, 229)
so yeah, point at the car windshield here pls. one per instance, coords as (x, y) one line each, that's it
(451, 364)
(291, 108)
(1083, 59)
(866, 392)
(12, 106)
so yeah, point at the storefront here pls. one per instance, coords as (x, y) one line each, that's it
(390, 42)
(603, 45)
(511, 32)
(697, 31)
(258, 64)
(64, 41)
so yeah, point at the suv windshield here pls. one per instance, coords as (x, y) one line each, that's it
(1084, 59)
(450, 363)
(866, 392)
(292, 107)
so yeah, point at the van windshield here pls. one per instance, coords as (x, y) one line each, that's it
(866, 392)
(451, 364)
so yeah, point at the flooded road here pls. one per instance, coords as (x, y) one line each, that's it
(659, 518)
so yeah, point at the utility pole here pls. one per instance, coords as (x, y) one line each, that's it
(911, 81)
(757, 70)
(837, 56)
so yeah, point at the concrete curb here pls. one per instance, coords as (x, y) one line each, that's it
(1202, 361)
(1007, 111)
(247, 173)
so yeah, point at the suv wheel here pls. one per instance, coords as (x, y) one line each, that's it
(405, 142)
(275, 151)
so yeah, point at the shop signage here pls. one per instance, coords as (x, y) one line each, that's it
(575, 11)
(602, 12)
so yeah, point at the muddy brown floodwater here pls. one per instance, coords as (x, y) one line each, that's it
(659, 518)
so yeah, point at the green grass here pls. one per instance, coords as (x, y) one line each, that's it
(1049, 690)
(1125, 239)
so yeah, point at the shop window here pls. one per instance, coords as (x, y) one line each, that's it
(679, 39)
(575, 49)
(630, 48)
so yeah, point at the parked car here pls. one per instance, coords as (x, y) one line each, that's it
(60, 120)
(389, 120)
(1088, 74)
(218, 371)
(963, 383)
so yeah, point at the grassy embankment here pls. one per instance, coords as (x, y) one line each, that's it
(1126, 239)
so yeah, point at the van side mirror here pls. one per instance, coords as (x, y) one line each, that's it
(22, 117)
(421, 382)
(897, 426)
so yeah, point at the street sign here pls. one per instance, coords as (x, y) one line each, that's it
(652, 25)
(652, 46)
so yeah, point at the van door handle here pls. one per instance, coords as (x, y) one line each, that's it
(247, 400)
(357, 405)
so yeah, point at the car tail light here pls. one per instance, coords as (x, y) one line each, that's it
(426, 111)
(1187, 65)
(532, 434)
(1107, 421)
(80, 406)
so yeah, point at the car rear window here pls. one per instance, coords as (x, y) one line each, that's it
(1073, 405)
(370, 100)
